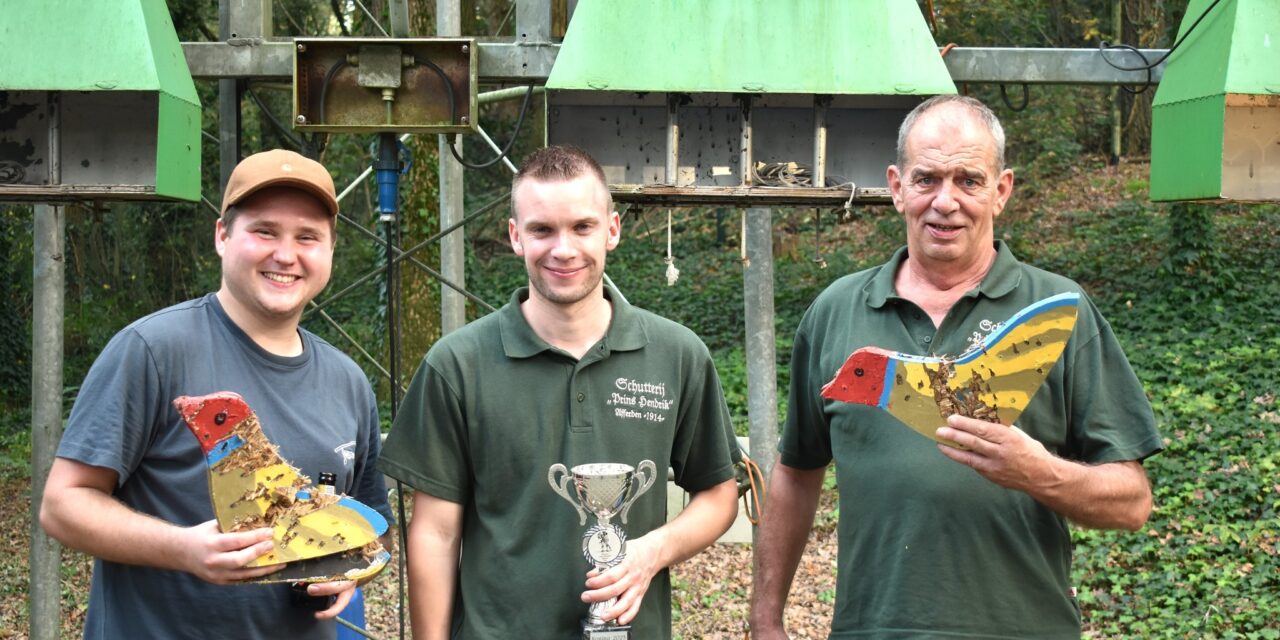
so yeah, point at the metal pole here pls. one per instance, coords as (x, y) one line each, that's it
(762, 380)
(1117, 23)
(228, 107)
(533, 21)
(398, 11)
(388, 170)
(48, 280)
(820, 104)
(46, 413)
(745, 146)
(673, 139)
(510, 93)
(453, 306)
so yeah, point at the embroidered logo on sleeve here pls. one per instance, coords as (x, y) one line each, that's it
(636, 400)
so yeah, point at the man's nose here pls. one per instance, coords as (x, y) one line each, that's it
(286, 252)
(944, 200)
(565, 247)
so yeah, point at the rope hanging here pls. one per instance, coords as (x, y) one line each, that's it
(742, 243)
(755, 479)
(673, 273)
(817, 239)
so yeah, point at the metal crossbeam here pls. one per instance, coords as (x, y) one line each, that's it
(1050, 66)
(499, 61)
(531, 62)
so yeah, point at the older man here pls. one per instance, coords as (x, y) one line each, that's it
(567, 372)
(937, 541)
(130, 484)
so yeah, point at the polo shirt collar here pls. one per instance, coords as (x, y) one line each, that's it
(1003, 277)
(626, 331)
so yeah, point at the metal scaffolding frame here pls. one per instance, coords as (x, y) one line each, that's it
(248, 53)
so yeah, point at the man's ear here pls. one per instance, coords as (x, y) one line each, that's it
(615, 231)
(1004, 189)
(513, 234)
(894, 177)
(220, 234)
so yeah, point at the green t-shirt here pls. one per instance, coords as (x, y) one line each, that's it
(493, 406)
(927, 546)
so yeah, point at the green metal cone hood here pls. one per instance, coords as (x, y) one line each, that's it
(100, 45)
(100, 54)
(1216, 115)
(1236, 49)
(838, 47)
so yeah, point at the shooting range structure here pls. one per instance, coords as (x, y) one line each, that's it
(732, 103)
(96, 103)
(1215, 130)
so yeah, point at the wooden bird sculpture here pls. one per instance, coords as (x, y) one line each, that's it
(326, 536)
(993, 381)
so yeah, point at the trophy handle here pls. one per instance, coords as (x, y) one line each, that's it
(640, 483)
(560, 488)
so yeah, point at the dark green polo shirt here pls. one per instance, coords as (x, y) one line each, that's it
(493, 406)
(927, 546)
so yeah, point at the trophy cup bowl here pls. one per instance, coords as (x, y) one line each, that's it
(604, 489)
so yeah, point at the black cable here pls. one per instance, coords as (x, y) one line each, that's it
(1026, 98)
(448, 87)
(1148, 68)
(1104, 46)
(524, 108)
(453, 107)
(324, 86)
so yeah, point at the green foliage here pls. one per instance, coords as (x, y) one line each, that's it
(15, 308)
(1207, 564)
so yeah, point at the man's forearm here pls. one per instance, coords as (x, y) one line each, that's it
(79, 511)
(784, 530)
(91, 521)
(435, 539)
(708, 515)
(1115, 495)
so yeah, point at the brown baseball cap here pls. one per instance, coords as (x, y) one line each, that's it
(280, 168)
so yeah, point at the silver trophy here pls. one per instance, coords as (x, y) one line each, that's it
(605, 489)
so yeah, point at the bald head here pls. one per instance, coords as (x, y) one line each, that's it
(971, 107)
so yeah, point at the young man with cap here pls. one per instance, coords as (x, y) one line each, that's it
(129, 484)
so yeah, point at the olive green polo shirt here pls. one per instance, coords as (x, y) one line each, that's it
(493, 406)
(928, 546)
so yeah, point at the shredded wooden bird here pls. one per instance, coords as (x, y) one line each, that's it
(252, 486)
(993, 381)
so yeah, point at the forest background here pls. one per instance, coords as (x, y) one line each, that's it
(1189, 289)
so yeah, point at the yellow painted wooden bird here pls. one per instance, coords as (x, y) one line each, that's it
(993, 381)
(252, 486)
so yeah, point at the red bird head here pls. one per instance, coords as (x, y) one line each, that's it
(861, 379)
(211, 418)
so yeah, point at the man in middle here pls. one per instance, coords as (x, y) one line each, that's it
(567, 372)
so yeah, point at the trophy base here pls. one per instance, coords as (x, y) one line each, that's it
(605, 632)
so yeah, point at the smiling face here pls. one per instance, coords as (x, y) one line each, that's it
(277, 255)
(950, 190)
(563, 229)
